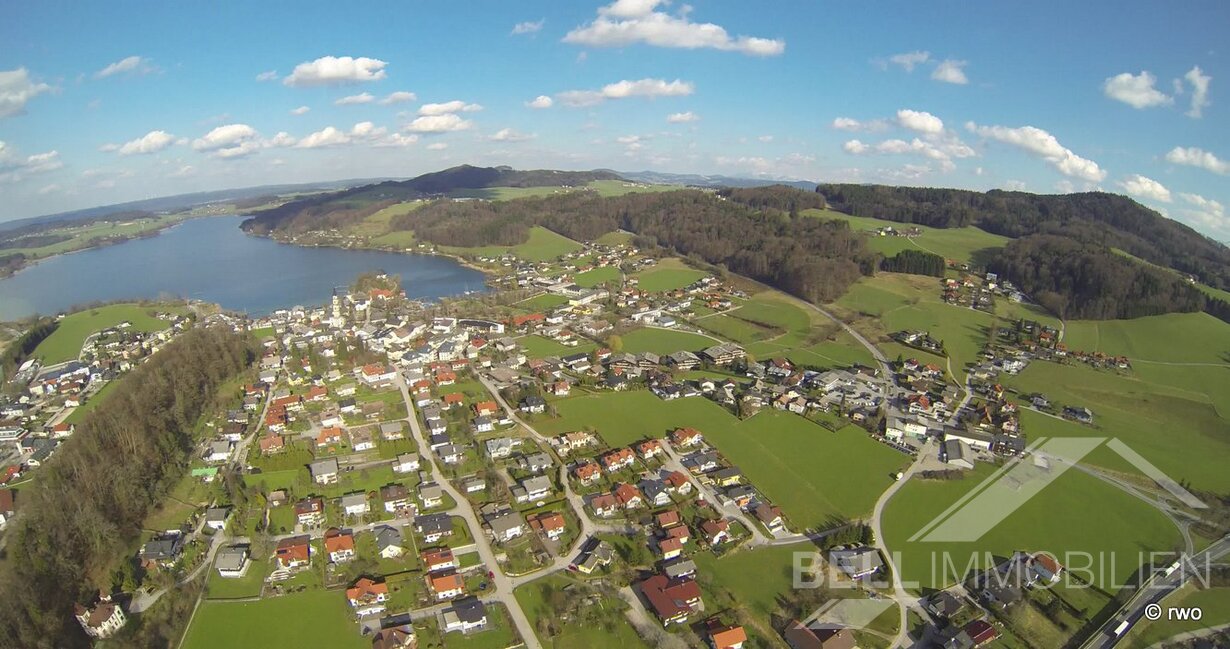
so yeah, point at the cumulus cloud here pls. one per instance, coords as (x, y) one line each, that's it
(528, 27)
(328, 136)
(229, 141)
(541, 101)
(399, 97)
(1195, 157)
(444, 123)
(127, 65)
(397, 139)
(14, 167)
(352, 100)
(1206, 213)
(455, 106)
(625, 89)
(626, 22)
(909, 60)
(268, 75)
(151, 142)
(335, 71)
(1137, 91)
(950, 71)
(854, 125)
(920, 121)
(16, 89)
(183, 172)
(1200, 91)
(302, 110)
(282, 139)
(1144, 187)
(1038, 142)
(856, 147)
(510, 135)
(942, 152)
(682, 118)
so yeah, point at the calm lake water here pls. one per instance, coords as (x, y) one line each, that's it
(211, 259)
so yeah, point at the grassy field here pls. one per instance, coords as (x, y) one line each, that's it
(1077, 513)
(538, 347)
(664, 341)
(309, 619)
(400, 239)
(621, 187)
(544, 302)
(616, 238)
(249, 585)
(667, 275)
(619, 635)
(378, 224)
(65, 343)
(78, 414)
(798, 464)
(951, 243)
(1203, 339)
(1214, 603)
(597, 276)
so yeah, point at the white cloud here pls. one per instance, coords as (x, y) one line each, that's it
(1038, 142)
(454, 106)
(268, 75)
(510, 135)
(352, 100)
(439, 123)
(541, 101)
(1014, 185)
(682, 118)
(282, 139)
(765, 138)
(920, 121)
(528, 27)
(336, 70)
(437, 146)
(1196, 157)
(624, 89)
(229, 141)
(1206, 213)
(856, 147)
(302, 110)
(854, 125)
(397, 139)
(1206, 204)
(1065, 187)
(950, 71)
(328, 136)
(48, 189)
(1200, 91)
(14, 168)
(151, 142)
(16, 89)
(1143, 187)
(399, 97)
(131, 64)
(626, 22)
(183, 172)
(941, 150)
(909, 60)
(1136, 91)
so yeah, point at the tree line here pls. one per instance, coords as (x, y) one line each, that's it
(83, 514)
(1084, 281)
(1107, 220)
(20, 349)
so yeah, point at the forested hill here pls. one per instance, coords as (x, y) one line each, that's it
(1097, 218)
(335, 209)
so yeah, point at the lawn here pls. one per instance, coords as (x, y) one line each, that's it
(664, 341)
(498, 634)
(544, 244)
(733, 328)
(798, 464)
(543, 302)
(951, 243)
(596, 276)
(616, 238)
(618, 635)
(538, 347)
(1214, 604)
(315, 618)
(398, 239)
(667, 275)
(1077, 513)
(1204, 339)
(64, 344)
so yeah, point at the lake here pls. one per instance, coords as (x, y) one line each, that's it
(211, 259)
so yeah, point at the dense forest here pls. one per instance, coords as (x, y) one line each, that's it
(1084, 281)
(915, 262)
(779, 197)
(333, 209)
(85, 511)
(816, 259)
(1107, 220)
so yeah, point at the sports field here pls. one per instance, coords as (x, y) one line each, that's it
(314, 618)
(64, 344)
(798, 464)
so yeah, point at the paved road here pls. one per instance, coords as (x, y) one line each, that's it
(1154, 591)
(503, 584)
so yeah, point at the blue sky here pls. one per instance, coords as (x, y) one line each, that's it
(102, 103)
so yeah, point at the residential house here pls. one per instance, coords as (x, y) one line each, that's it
(232, 562)
(618, 460)
(433, 527)
(727, 637)
(102, 619)
(361, 440)
(800, 636)
(716, 532)
(445, 585)
(324, 471)
(339, 545)
(587, 473)
(431, 495)
(293, 553)
(367, 596)
(396, 637)
(628, 496)
(604, 505)
(465, 615)
(686, 437)
(550, 525)
(857, 562)
(672, 600)
(389, 541)
(532, 489)
(396, 498)
(406, 463)
(649, 449)
(216, 517)
(438, 559)
(506, 526)
(310, 512)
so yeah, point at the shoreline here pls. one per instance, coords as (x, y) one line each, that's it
(461, 261)
(149, 234)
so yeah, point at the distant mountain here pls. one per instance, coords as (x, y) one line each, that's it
(182, 201)
(697, 180)
(339, 208)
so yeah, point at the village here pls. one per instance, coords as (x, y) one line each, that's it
(388, 452)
